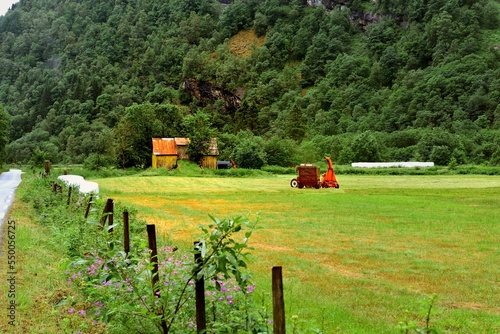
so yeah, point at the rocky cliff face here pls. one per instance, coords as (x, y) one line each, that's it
(362, 18)
(205, 93)
(328, 4)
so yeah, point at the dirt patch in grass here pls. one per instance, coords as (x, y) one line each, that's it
(205, 206)
(474, 306)
(269, 247)
(341, 270)
(178, 207)
(242, 43)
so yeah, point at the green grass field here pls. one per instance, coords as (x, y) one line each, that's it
(358, 259)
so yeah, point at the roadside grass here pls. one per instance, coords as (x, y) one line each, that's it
(41, 287)
(359, 259)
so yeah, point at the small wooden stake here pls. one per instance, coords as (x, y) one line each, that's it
(278, 302)
(154, 272)
(111, 210)
(69, 195)
(87, 211)
(47, 167)
(154, 255)
(201, 322)
(106, 211)
(126, 233)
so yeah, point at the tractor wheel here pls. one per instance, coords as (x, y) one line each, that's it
(300, 185)
(294, 183)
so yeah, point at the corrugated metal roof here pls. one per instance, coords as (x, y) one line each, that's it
(164, 146)
(182, 141)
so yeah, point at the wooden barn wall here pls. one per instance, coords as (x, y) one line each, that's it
(164, 161)
(182, 152)
(209, 162)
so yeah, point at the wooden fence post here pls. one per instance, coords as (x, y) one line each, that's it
(87, 211)
(154, 272)
(46, 165)
(278, 302)
(69, 195)
(105, 212)
(126, 233)
(56, 188)
(111, 210)
(201, 321)
(154, 255)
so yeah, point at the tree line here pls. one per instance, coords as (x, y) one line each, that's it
(93, 81)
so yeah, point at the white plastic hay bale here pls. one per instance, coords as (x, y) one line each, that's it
(407, 164)
(85, 187)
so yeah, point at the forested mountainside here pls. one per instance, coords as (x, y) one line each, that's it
(277, 82)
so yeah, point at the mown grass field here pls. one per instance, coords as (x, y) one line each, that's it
(358, 259)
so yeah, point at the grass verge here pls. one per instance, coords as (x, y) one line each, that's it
(39, 284)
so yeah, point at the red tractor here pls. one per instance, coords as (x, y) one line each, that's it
(309, 177)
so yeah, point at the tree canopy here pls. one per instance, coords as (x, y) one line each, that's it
(386, 80)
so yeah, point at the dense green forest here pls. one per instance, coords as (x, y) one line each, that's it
(91, 81)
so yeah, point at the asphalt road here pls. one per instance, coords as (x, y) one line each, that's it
(8, 185)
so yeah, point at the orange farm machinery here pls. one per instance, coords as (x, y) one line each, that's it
(309, 177)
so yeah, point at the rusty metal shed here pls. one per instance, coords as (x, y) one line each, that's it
(167, 151)
(164, 153)
(210, 160)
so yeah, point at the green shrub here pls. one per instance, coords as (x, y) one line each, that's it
(249, 153)
(278, 170)
(365, 148)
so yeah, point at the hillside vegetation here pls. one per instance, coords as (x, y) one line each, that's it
(277, 82)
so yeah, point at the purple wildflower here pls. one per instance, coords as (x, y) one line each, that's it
(251, 288)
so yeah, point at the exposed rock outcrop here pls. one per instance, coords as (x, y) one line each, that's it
(206, 93)
(365, 19)
(362, 18)
(328, 4)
